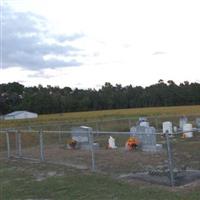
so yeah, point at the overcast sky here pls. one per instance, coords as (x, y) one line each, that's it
(85, 43)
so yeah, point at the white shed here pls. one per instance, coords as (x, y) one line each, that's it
(20, 115)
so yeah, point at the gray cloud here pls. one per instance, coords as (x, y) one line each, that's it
(23, 42)
(63, 38)
(40, 74)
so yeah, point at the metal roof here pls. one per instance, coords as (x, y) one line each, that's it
(15, 113)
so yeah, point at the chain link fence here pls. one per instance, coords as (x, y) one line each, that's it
(173, 160)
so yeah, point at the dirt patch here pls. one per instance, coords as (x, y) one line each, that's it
(181, 178)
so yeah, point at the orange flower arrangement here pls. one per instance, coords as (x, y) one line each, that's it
(132, 143)
(72, 144)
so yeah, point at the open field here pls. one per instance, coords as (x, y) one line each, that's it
(29, 180)
(105, 114)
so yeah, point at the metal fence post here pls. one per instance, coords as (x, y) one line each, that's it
(97, 128)
(8, 144)
(42, 158)
(16, 143)
(60, 135)
(92, 149)
(19, 144)
(156, 123)
(170, 161)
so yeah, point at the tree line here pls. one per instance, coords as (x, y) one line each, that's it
(44, 100)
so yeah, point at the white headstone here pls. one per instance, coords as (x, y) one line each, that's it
(187, 128)
(111, 143)
(175, 129)
(167, 127)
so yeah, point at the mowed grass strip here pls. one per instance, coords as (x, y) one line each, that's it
(19, 180)
(105, 114)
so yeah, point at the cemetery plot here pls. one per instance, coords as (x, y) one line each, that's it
(142, 151)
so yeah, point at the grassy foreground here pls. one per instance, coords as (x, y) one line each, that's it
(106, 114)
(22, 180)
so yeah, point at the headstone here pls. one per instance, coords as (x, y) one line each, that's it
(143, 122)
(111, 143)
(175, 129)
(81, 136)
(167, 127)
(133, 130)
(198, 122)
(183, 120)
(146, 137)
(187, 130)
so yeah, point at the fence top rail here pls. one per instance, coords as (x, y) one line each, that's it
(95, 132)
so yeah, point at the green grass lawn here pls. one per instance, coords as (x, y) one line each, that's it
(23, 180)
